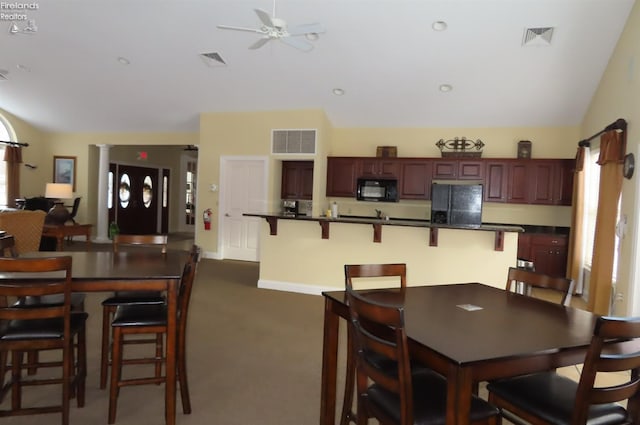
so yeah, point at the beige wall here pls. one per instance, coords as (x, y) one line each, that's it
(618, 96)
(559, 142)
(249, 134)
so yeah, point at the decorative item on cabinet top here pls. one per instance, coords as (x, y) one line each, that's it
(460, 147)
(524, 149)
(387, 151)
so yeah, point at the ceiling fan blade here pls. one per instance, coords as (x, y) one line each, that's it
(258, 44)
(227, 27)
(306, 29)
(264, 17)
(298, 43)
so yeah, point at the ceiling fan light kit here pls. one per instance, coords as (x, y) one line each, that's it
(276, 29)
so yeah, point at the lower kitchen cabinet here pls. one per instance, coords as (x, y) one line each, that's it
(548, 252)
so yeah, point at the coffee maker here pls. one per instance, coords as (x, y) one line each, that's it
(289, 208)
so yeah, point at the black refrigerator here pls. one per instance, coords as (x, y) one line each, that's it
(456, 204)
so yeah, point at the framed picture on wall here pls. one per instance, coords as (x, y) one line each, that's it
(64, 170)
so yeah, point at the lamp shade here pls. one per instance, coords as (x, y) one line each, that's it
(58, 191)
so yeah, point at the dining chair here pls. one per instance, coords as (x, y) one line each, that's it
(110, 304)
(355, 272)
(534, 280)
(550, 398)
(388, 389)
(7, 246)
(151, 319)
(74, 209)
(48, 327)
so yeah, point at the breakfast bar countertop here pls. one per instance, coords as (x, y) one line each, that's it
(391, 221)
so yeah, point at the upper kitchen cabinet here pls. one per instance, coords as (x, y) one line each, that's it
(471, 170)
(541, 181)
(495, 181)
(445, 169)
(297, 180)
(342, 175)
(415, 178)
(382, 168)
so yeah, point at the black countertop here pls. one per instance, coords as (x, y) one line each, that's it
(392, 221)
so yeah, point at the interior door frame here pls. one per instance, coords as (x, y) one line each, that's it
(224, 161)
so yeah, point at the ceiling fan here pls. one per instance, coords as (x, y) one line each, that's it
(276, 29)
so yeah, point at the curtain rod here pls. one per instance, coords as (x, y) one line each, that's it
(7, 142)
(619, 124)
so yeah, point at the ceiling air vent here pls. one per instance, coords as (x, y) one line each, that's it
(537, 36)
(293, 141)
(3, 75)
(213, 59)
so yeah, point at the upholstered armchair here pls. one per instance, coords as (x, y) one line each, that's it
(25, 226)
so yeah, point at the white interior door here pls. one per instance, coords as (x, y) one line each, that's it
(243, 189)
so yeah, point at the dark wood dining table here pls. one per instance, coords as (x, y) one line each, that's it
(132, 271)
(469, 333)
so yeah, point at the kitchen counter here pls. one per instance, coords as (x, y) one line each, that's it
(377, 224)
(307, 254)
(391, 221)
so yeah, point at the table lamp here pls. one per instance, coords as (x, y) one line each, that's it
(58, 214)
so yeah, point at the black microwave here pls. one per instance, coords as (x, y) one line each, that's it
(380, 190)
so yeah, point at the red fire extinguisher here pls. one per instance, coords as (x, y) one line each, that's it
(207, 218)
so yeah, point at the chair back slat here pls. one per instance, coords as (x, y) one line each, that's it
(353, 271)
(33, 286)
(598, 359)
(380, 333)
(122, 239)
(541, 281)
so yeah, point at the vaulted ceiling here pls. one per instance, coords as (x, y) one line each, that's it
(136, 65)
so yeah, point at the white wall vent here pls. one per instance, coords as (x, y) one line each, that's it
(537, 36)
(293, 141)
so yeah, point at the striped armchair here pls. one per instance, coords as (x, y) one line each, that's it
(26, 228)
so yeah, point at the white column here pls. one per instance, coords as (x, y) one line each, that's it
(103, 186)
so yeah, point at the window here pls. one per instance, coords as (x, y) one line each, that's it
(592, 187)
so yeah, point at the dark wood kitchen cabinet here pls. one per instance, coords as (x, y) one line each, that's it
(471, 170)
(342, 175)
(381, 168)
(548, 253)
(517, 182)
(508, 180)
(297, 180)
(495, 181)
(445, 169)
(415, 179)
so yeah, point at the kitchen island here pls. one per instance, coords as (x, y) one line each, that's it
(307, 254)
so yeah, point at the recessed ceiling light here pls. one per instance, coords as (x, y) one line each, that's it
(22, 67)
(439, 26)
(338, 91)
(123, 60)
(445, 87)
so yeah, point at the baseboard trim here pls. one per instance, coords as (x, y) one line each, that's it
(299, 288)
(211, 255)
